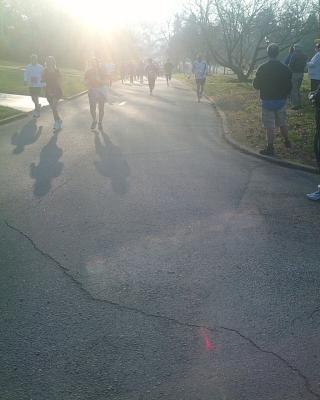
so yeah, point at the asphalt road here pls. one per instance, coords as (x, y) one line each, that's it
(153, 261)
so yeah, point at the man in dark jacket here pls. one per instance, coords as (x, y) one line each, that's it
(273, 79)
(297, 66)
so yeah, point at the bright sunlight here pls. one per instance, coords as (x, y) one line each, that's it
(110, 14)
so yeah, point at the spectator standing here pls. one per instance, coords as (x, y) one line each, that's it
(273, 80)
(297, 65)
(200, 69)
(33, 78)
(52, 78)
(314, 69)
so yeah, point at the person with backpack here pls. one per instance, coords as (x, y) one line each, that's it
(52, 77)
(33, 78)
(152, 73)
(297, 65)
(273, 80)
(200, 69)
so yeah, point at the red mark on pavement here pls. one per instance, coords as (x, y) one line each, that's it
(207, 342)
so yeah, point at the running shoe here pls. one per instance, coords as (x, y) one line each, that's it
(315, 196)
(94, 125)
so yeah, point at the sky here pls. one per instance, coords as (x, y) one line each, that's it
(112, 13)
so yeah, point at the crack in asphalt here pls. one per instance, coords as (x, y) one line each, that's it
(175, 321)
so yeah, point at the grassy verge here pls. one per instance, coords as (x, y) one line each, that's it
(240, 102)
(6, 112)
(11, 80)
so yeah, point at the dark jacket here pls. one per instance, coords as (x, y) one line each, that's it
(273, 79)
(298, 62)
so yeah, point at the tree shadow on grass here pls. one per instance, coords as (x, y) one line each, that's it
(111, 163)
(28, 135)
(48, 169)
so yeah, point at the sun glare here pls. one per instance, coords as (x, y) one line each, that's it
(110, 14)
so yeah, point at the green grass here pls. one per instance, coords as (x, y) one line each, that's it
(11, 80)
(240, 102)
(6, 112)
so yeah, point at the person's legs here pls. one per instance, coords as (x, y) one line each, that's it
(268, 122)
(295, 92)
(167, 79)
(198, 82)
(93, 109)
(101, 113)
(34, 93)
(203, 81)
(314, 84)
(151, 84)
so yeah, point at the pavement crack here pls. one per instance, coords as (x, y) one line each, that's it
(166, 318)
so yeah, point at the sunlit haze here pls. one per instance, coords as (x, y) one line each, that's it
(110, 14)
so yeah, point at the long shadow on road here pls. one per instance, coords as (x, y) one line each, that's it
(111, 163)
(28, 135)
(49, 167)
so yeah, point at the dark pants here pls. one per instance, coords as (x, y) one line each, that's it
(314, 84)
(151, 82)
(200, 86)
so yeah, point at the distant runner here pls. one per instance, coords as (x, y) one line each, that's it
(52, 78)
(33, 78)
(152, 73)
(168, 67)
(200, 69)
(96, 81)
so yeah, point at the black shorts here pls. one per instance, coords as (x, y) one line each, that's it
(35, 91)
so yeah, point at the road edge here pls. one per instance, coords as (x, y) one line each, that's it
(244, 149)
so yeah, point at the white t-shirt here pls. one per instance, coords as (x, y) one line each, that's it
(200, 69)
(33, 75)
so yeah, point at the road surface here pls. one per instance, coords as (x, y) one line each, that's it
(153, 261)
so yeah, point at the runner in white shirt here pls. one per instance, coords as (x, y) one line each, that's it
(33, 78)
(200, 69)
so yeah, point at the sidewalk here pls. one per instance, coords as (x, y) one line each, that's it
(19, 102)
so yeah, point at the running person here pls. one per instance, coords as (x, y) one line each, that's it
(95, 79)
(33, 78)
(168, 67)
(152, 73)
(200, 69)
(52, 77)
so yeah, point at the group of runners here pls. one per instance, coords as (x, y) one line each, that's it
(98, 77)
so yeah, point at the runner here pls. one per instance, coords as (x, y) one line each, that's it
(96, 80)
(168, 67)
(33, 78)
(52, 77)
(141, 71)
(200, 69)
(151, 72)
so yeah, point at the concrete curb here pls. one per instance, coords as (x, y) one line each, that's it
(21, 115)
(244, 149)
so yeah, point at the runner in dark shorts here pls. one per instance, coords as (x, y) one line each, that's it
(33, 78)
(52, 78)
(168, 67)
(152, 73)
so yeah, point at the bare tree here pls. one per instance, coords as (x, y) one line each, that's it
(237, 32)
